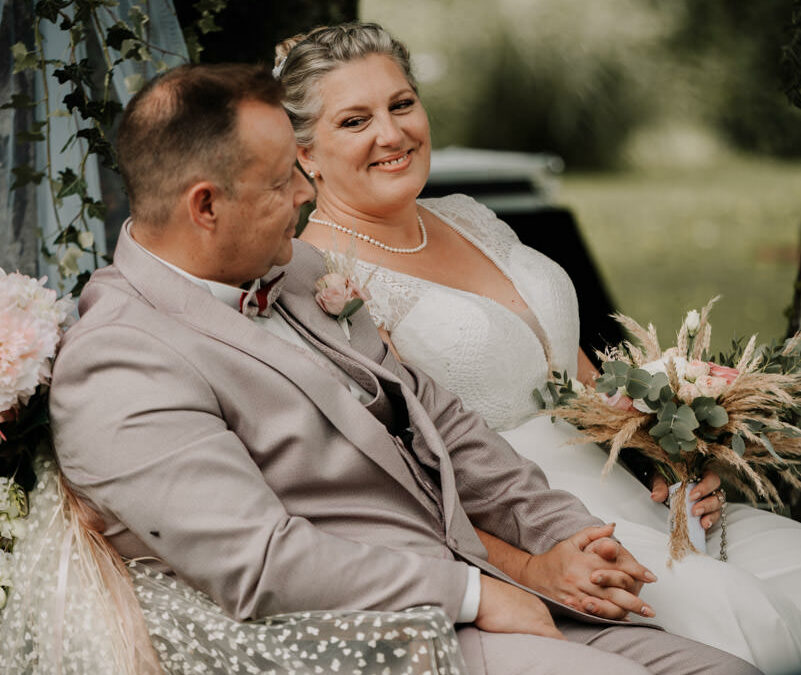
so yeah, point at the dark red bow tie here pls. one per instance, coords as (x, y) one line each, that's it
(258, 302)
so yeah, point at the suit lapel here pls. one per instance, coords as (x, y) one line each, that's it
(186, 302)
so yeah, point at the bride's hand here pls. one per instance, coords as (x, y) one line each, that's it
(580, 572)
(709, 507)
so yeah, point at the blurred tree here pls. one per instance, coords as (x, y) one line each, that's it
(249, 30)
(741, 42)
(791, 58)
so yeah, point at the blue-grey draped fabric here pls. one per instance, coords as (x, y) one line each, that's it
(29, 215)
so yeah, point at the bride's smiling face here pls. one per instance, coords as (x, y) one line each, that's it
(371, 149)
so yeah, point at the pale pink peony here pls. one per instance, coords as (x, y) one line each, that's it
(695, 369)
(724, 372)
(709, 385)
(31, 321)
(688, 392)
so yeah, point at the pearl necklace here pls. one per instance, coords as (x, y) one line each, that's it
(375, 242)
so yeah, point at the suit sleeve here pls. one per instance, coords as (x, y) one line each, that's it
(501, 492)
(139, 433)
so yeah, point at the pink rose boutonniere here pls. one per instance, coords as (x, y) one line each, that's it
(339, 292)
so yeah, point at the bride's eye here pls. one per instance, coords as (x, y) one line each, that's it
(351, 122)
(403, 104)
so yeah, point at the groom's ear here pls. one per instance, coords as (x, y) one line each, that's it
(203, 204)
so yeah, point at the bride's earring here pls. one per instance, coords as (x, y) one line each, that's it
(311, 174)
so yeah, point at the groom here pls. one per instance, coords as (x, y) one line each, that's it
(219, 420)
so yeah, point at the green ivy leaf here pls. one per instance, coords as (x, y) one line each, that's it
(119, 33)
(69, 235)
(19, 101)
(25, 174)
(49, 9)
(99, 145)
(80, 282)
(71, 184)
(23, 59)
(193, 46)
(33, 134)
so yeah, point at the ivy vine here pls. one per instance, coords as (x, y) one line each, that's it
(90, 96)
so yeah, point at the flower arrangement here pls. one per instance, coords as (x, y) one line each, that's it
(32, 321)
(339, 292)
(738, 415)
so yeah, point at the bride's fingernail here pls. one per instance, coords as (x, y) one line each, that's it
(649, 576)
(647, 611)
(591, 607)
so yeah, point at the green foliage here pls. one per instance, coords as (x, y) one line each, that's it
(129, 37)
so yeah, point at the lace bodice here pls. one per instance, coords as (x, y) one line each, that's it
(483, 352)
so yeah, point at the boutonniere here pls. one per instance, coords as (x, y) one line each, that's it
(339, 292)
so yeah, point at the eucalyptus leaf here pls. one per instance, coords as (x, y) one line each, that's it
(619, 369)
(660, 429)
(688, 446)
(658, 382)
(686, 416)
(738, 444)
(718, 417)
(667, 412)
(682, 432)
(539, 401)
(670, 445)
(638, 383)
(606, 384)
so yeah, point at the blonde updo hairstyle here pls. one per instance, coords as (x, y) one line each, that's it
(302, 61)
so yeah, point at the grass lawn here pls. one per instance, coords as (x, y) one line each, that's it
(666, 241)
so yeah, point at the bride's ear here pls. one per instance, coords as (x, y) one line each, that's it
(306, 160)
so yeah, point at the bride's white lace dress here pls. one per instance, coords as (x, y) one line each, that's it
(493, 359)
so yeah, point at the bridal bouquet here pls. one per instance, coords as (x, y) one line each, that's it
(738, 415)
(32, 321)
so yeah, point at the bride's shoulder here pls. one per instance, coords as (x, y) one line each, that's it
(465, 213)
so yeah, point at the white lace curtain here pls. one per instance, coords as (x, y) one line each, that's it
(27, 215)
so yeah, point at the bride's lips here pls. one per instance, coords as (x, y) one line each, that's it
(391, 163)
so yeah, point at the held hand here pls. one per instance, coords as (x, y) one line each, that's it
(591, 572)
(709, 507)
(507, 609)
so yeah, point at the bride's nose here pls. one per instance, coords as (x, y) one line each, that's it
(389, 132)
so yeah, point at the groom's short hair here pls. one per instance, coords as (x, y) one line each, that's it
(181, 128)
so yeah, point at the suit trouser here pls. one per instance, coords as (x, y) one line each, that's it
(617, 650)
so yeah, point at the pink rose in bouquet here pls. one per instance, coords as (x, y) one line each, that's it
(709, 385)
(724, 372)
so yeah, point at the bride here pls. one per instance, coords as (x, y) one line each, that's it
(456, 294)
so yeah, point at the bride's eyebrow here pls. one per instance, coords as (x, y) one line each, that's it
(359, 108)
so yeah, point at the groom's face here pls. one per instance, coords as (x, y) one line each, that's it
(257, 221)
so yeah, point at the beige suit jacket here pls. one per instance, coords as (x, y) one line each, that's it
(253, 473)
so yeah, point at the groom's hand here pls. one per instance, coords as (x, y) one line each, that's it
(591, 572)
(504, 608)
